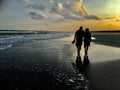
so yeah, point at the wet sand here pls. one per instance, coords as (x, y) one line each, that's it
(104, 76)
(45, 65)
(40, 65)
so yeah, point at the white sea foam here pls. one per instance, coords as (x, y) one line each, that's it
(3, 47)
(93, 38)
(8, 41)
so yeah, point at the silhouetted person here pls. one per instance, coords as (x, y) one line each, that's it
(78, 39)
(87, 40)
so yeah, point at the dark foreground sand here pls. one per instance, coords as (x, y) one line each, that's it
(104, 76)
(40, 65)
(45, 65)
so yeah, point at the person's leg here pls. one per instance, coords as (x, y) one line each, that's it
(86, 48)
(78, 50)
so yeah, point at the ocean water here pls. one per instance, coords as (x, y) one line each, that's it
(9, 38)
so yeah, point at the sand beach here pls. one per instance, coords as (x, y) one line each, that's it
(51, 64)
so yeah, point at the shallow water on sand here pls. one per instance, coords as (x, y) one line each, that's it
(97, 52)
(102, 53)
(40, 65)
(50, 64)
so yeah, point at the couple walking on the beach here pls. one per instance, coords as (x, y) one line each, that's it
(79, 35)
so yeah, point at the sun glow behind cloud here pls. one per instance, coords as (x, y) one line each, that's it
(113, 7)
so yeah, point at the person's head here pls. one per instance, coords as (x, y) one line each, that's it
(81, 27)
(87, 30)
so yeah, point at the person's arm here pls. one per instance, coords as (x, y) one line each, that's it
(90, 37)
(74, 38)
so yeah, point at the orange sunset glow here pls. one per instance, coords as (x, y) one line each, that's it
(64, 15)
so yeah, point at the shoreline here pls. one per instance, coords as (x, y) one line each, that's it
(48, 64)
(40, 65)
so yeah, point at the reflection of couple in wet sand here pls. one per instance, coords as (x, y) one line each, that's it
(79, 35)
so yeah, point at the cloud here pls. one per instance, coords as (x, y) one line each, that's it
(25, 1)
(79, 8)
(117, 20)
(110, 24)
(95, 17)
(66, 10)
(62, 11)
(113, 18)
(73, 10)
(37, 16)
(38, 6)
(51, 1)
(33, 5)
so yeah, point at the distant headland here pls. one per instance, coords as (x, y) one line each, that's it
(107, 31)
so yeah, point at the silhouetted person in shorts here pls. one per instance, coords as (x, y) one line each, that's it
(87, 40)
(78, 39)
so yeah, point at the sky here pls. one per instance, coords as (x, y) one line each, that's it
(59, 15)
